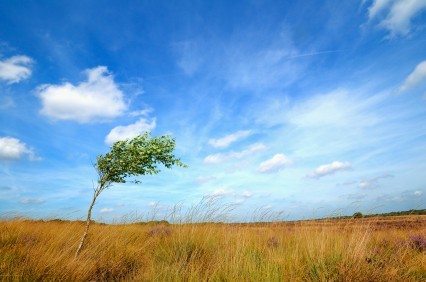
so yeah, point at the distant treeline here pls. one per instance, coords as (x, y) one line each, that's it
(398, 213)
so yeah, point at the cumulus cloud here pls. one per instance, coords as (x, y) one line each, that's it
(124, 132)
(106, 210)
(97, 98)
(328, 169)
(415, 78)
(229, 139)
(247, 194)
(418, 193)
(396, 15)
(274, 164)
(15, 69)
(13, 149)
(220, 158)
(28, 201)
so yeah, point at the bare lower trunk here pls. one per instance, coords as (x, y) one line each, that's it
(89, 214)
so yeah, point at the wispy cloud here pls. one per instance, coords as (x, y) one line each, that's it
(98, 98)
(30, 201)
(13, 149)
(337, 108)
(15, 69)
(124, 132)
(396, 15)
(229, 139)
(106, 210)
(220, 158)
(274, 164)
(372, 182)
(222, 192)
(328, 169)
(247, 194)
(189, 57)
(416, 77)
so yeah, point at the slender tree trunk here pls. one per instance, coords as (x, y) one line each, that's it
(89, 214)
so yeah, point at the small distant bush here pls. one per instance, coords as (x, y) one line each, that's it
(417, 242)
(357, 215)
(159, 231)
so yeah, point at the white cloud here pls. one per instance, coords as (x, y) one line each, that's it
(95, 99)
(145, 112)
(124, 132)
(15, 69)
(416, 77)
(221, 192)
(152, 204)
(13, 149)
(398, 14)
(106, 210)
(418, 193)
(377, 7)
(372, 182)
(229, 139)
(247, 194)
(274, 164)
(328, 169)
(28, 201)
(220, 158)
(239, 201)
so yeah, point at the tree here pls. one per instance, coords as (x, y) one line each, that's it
(357, 215)
(134, 157)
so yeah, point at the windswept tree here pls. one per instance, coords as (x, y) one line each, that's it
(131, 158)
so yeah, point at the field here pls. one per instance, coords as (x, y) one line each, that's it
(364, 249)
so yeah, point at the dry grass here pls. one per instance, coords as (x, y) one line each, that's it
(328, 250)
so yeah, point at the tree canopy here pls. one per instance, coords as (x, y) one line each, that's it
(138, 156)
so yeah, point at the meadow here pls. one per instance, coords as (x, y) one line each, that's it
(356, 249)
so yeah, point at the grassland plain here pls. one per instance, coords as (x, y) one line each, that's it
(367, 249)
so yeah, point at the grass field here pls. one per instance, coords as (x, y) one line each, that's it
(368, 249)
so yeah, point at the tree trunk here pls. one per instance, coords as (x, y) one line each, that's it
(89, 214)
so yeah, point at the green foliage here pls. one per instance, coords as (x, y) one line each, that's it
(357, 215)
(138, 156)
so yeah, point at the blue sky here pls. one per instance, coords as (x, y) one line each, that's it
(312, 109)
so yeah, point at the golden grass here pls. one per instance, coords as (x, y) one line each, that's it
(328, 250)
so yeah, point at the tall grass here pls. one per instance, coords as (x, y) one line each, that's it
(326, 250)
